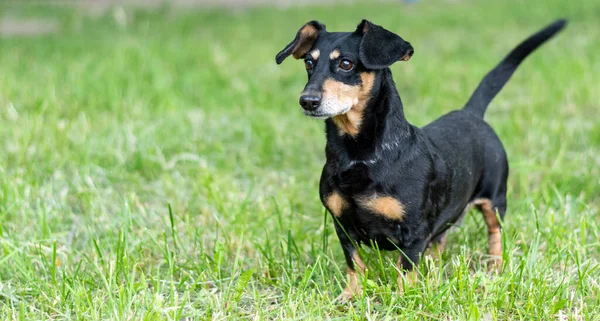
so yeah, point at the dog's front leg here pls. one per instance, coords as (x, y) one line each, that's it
(355, 266)
(408, 263)
(437, 246)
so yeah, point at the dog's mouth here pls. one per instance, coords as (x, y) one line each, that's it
(319, 114)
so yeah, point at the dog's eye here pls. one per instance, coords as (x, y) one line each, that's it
(308, 64)
(346, 64)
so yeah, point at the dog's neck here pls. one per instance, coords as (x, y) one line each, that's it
(383, 126)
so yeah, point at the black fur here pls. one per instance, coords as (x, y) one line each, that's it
(380, 48)
(493, 82)
(434, 171)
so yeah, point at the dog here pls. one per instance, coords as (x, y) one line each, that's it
(387, 183)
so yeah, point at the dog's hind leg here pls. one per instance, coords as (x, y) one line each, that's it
(490, 198)
(493, 212)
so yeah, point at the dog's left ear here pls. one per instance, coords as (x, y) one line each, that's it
(305, 38)
(380, 48)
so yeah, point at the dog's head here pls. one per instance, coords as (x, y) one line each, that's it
(343, 66)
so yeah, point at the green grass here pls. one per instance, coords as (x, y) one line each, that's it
(161, 169)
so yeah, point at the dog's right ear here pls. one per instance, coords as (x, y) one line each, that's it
(305, 38)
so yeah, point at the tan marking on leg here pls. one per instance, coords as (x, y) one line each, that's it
(358, 262)
(336, 203)
(494, 234)
(308, 35)
(334, 54)
(353, 287)
(411, 276)
(356, 96)
(315, 54)
(385, 206)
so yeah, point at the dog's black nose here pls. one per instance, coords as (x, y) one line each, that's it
(310, 102)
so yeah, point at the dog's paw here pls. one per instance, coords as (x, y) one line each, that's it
(495, 265)
(411, 278)
(348, 294)
(344, 297)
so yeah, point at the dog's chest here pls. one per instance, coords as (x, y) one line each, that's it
(369, 218)
(355, 179)
(363, 208)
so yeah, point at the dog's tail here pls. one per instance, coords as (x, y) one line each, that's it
(493, 82)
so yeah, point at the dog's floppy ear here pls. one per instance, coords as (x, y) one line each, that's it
(380, 48)
(305, 38)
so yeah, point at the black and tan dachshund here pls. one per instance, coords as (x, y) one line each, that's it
(386, 182)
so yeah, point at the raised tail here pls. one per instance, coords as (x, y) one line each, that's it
(493, 82)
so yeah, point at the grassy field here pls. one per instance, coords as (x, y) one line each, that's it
(156, 165)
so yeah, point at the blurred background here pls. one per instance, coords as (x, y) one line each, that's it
(154, 162)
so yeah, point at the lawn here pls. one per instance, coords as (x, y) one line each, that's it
(155, 165)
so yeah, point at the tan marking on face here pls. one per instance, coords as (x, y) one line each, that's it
(336, 203)
(315, 54)
(385, 206)
(494, 234)
(358, 96)
(308, 35)
(334, 54)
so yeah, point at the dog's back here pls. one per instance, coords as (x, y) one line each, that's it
(470, 146)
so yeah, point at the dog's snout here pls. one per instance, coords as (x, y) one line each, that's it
(310, 102)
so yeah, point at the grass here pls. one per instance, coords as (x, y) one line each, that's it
(154, 165)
